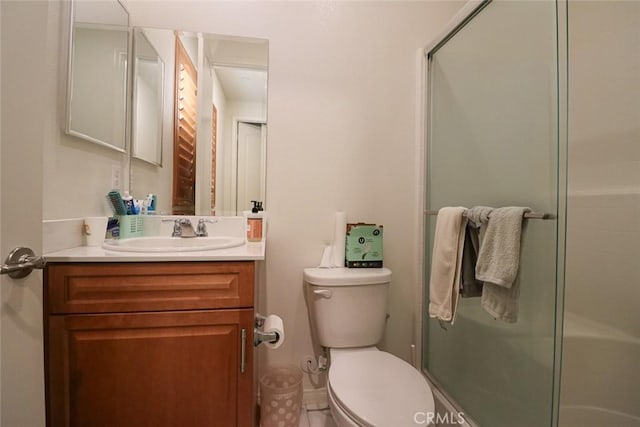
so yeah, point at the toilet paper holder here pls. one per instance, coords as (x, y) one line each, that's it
(260, 336)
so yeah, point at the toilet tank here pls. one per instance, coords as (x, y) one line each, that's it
(347, 306)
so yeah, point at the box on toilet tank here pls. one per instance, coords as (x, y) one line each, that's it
(363, 245)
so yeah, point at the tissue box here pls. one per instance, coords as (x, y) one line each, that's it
(363, 246)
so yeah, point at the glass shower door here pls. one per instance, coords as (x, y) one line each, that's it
(493, 141)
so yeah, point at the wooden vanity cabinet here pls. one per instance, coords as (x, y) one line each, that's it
(149, 344)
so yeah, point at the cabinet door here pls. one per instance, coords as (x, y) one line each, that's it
(157, 369)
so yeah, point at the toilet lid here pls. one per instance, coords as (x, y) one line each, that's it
(380, 389)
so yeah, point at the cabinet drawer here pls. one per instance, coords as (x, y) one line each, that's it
(149, 286)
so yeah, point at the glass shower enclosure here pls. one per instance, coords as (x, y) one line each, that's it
(496, 138)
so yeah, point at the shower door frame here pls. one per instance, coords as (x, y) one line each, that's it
(457, 23)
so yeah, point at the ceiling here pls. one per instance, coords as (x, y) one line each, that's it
(242, 84)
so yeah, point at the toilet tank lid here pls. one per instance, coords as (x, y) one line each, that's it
(346, 276)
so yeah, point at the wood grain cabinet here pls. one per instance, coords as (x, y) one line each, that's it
(149, 344)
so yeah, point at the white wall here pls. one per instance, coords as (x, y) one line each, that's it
(342, 82)
(603, 221)
(604, 164)
(77, 172)
(204, 133)
(222, 167)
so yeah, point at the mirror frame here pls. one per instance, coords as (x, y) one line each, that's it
(69, 89)
(139, 32)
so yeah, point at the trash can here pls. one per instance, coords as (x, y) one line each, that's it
(281, 396)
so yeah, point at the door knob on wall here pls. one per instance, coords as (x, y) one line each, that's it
(21, 262)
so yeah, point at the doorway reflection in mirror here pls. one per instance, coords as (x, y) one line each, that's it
(229, 163)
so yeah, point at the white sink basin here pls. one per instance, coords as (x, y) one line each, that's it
(172, 244)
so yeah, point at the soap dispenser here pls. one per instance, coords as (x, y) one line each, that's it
(254, 222)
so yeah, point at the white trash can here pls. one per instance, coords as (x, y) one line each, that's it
(281, 396)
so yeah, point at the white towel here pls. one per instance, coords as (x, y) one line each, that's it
(446, 260)
(499, 261)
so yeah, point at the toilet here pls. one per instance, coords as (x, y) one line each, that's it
(366, 386)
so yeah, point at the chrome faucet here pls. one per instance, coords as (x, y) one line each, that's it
(182, 227)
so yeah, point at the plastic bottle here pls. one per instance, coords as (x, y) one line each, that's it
(128, 203)
(254, 223)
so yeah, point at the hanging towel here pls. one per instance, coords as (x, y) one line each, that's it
(469, 285)
(499, 254)
(448, 242)
(500, 302)
(477, 217)
(498, 263)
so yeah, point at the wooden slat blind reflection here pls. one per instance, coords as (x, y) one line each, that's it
(184, 151)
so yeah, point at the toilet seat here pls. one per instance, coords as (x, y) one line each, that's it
(378, 389)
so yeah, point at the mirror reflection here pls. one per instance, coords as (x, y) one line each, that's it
(214, 117)
(97, 86)
(148, 76)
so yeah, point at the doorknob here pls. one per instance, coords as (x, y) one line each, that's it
(21, 262)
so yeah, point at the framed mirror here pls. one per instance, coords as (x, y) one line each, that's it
(213, 126)
(147, 105)
(97, 77)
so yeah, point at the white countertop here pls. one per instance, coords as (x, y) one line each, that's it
(248, 252)
(64, 243)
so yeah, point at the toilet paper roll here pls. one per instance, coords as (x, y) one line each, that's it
(326, 261)
(273, 323)
(337, 250)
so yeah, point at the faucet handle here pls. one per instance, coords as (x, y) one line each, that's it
(209, 220)
(202, 226)
(177, 229)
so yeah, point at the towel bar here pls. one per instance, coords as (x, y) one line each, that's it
(528, 215)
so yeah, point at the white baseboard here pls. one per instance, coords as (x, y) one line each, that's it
(315, 398)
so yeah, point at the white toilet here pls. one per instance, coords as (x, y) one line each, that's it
(366, 386)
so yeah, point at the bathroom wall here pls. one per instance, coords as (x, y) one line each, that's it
(342, 112)
(602, 321)
(604, 165)
(223, 169)
(77, 171)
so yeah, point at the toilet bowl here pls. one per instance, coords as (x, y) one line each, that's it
(366, 387)
(372, 388)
